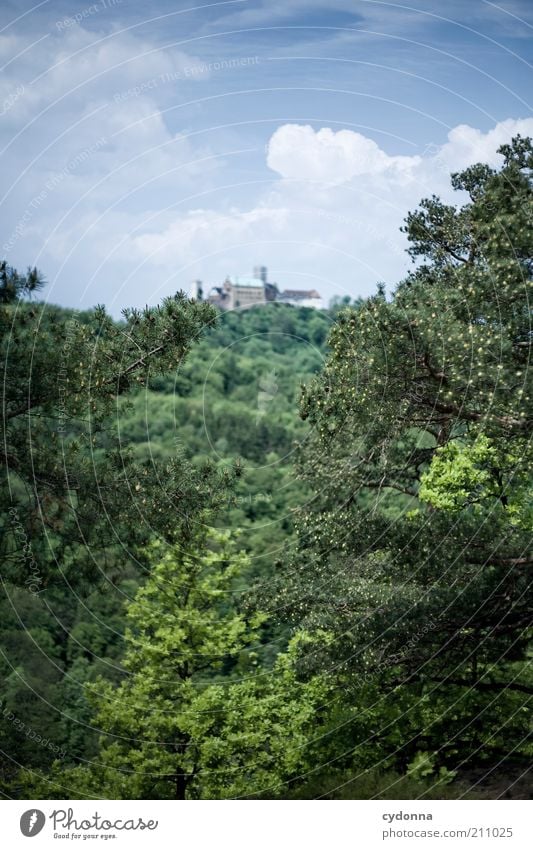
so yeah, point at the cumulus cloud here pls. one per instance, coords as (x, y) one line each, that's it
(299, 152)
(467, 145)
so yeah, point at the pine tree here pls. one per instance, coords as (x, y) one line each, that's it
(72, 493)
(414, 553)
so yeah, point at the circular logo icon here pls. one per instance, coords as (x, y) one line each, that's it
(32, 822)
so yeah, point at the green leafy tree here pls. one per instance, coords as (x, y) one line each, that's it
(76, 504)
(193, 717)
(182, 631)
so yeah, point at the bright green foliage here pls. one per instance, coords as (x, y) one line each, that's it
(182, 631)
(262, 734)
(423, 765)
(193, 717)
(481, 474)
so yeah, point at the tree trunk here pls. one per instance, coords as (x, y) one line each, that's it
(181, 785)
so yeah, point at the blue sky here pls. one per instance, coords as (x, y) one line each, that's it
(145, 145)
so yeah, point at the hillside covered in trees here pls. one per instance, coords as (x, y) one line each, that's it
(282, 553)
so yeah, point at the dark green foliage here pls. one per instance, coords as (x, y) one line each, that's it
(69, 483)
(235, 396)
(14, 285)
(414, 553)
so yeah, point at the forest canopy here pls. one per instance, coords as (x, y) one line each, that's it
(207, 595)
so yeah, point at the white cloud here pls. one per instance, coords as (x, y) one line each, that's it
(467, 145)
(198, 232)
(299, 152)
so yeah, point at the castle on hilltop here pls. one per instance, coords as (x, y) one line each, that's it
(240, 293)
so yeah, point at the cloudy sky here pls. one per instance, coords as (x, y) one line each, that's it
(148, 144)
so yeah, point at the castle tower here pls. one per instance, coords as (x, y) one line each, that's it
(260, 273)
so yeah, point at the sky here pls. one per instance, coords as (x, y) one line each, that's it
(145, 145)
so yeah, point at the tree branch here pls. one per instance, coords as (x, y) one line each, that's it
(389, 485)
(453, 409)
(437, 375)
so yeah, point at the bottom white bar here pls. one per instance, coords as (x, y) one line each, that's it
(268, 824)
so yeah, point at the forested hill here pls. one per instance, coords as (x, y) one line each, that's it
(235, 399)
